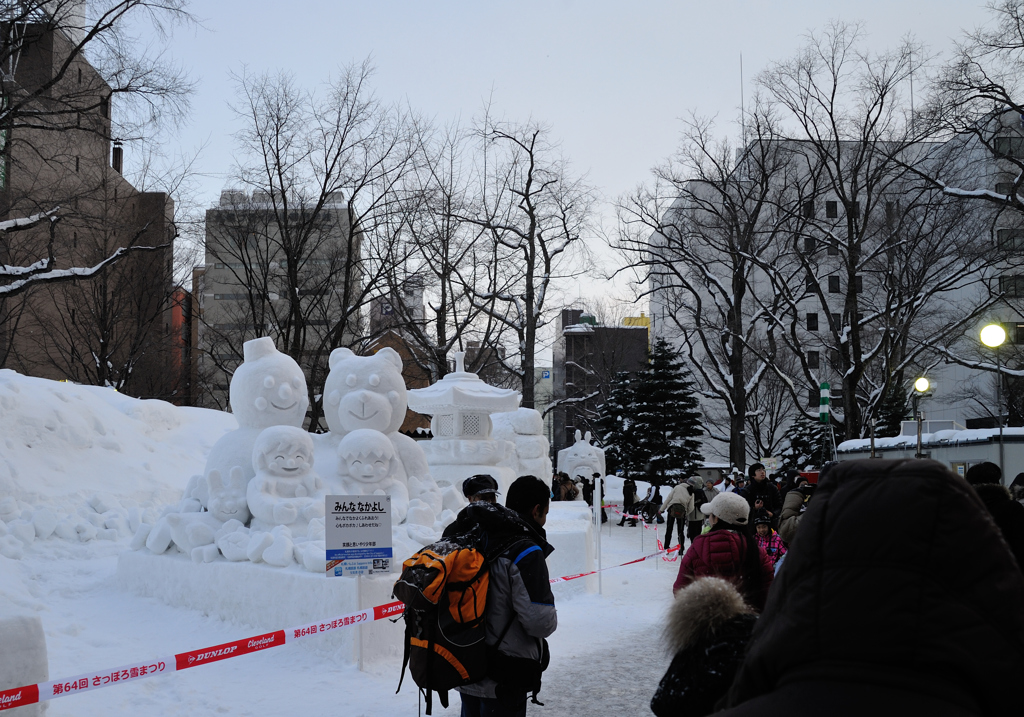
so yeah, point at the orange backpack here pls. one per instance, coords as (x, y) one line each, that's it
(444, 588)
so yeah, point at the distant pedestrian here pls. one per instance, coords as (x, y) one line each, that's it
(679, 505)
(767, 538)
(695, 519)
(629, 499)
(761, 493)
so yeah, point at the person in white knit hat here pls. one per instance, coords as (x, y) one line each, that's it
(729, 550)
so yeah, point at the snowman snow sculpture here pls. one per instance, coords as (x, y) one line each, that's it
(368, 392)
(285, 489)
(267, 389)
(581, 459)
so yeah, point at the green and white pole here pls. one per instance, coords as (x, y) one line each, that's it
(823, 406)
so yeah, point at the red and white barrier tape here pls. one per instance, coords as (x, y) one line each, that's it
(43, 691)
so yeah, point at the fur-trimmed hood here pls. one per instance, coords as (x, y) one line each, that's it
(701, 608)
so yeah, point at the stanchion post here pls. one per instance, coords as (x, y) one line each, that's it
(597, 504)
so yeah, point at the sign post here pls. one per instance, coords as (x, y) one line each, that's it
(358, 535)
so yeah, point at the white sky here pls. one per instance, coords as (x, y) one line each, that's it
(611, 79)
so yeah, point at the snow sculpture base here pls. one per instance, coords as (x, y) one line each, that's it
(570, 530)
(23, 659)
(265, 598)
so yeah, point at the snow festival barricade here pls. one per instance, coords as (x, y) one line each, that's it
(32, 694)
(570, 530)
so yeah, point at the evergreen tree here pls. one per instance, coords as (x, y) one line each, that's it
(807, 437)
(894, 410)
(667, 422)
(614, 426)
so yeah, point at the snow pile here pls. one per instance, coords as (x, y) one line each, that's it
(82, 463)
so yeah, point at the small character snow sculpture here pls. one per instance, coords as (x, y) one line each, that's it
(368, 392)
(368, 460)
(581, 459)
(190, 531)
(268, 389)
(285, 489)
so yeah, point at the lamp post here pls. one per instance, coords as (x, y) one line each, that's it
(993, 336)
(921, 387)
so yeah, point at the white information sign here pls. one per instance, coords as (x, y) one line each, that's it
(358, 534)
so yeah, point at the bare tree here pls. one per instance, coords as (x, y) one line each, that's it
(697, 238)
(315, 230)
(534, 216)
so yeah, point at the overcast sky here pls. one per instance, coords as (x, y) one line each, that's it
(611, 79)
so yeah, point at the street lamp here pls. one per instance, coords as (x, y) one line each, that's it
(993, 336)
(921, 389)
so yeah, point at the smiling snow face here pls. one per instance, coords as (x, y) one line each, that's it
(367, 455)
(268, 389)
(283, 451)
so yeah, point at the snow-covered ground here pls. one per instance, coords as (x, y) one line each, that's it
(68, 449)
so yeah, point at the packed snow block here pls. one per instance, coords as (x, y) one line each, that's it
(262, 598)
(570, 531)
(23, 659)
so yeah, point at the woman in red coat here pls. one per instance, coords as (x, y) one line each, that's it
(728, 551)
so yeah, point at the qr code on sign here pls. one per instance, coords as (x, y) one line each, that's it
(382, 564)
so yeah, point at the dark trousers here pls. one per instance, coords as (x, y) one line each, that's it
(679, 523)
(693, 529)
(487, 707)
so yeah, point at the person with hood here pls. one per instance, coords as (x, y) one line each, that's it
(767, 538)
(708, 628)
(1005, 511)
(520, 609)
(695, 519)
(886, 606)
(679, 505)
(728, 550)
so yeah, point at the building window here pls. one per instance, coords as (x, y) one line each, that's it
(834, 358)
(811, 283)
(833, 250)
(1010, 239)
(74, 240)
(813, 396)
(1009, 147)
(1011, 286)
(833, 284)
(79, 75)
(813, 359)
(831, 209)
(72, 317)
(808, 209)
(1018, 334)
(809, 243)
(230, 297)
(812, 322)
(1004, 188)
(76, 164)
(856, 210)
(105, 107)
(837, 321)
(858, 284)
(890, 213)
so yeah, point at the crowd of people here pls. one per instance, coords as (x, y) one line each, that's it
(888, 587)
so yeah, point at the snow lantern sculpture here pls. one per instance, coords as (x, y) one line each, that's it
(368, 392)
(524, 428)
(285, 490)
(581, 459)
(268, 389)
(461, 405)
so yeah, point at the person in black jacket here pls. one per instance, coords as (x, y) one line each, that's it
(520, 609)
(762, 494)
(886, 606)
(709, 626)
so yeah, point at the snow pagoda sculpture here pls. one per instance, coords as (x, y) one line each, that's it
(461, 405)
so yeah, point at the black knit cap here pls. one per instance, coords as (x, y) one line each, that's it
(480, 483)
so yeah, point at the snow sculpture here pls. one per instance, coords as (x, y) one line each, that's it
(581, 459)
(285, 489)
(268, 389)
(462, 446)
(191, 531)
(524, 428)
(368, 392)
(367, 458)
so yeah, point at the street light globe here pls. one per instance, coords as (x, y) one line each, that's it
(993, 335)
(921, 385)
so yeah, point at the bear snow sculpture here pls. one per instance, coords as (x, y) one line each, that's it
(368, 392)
